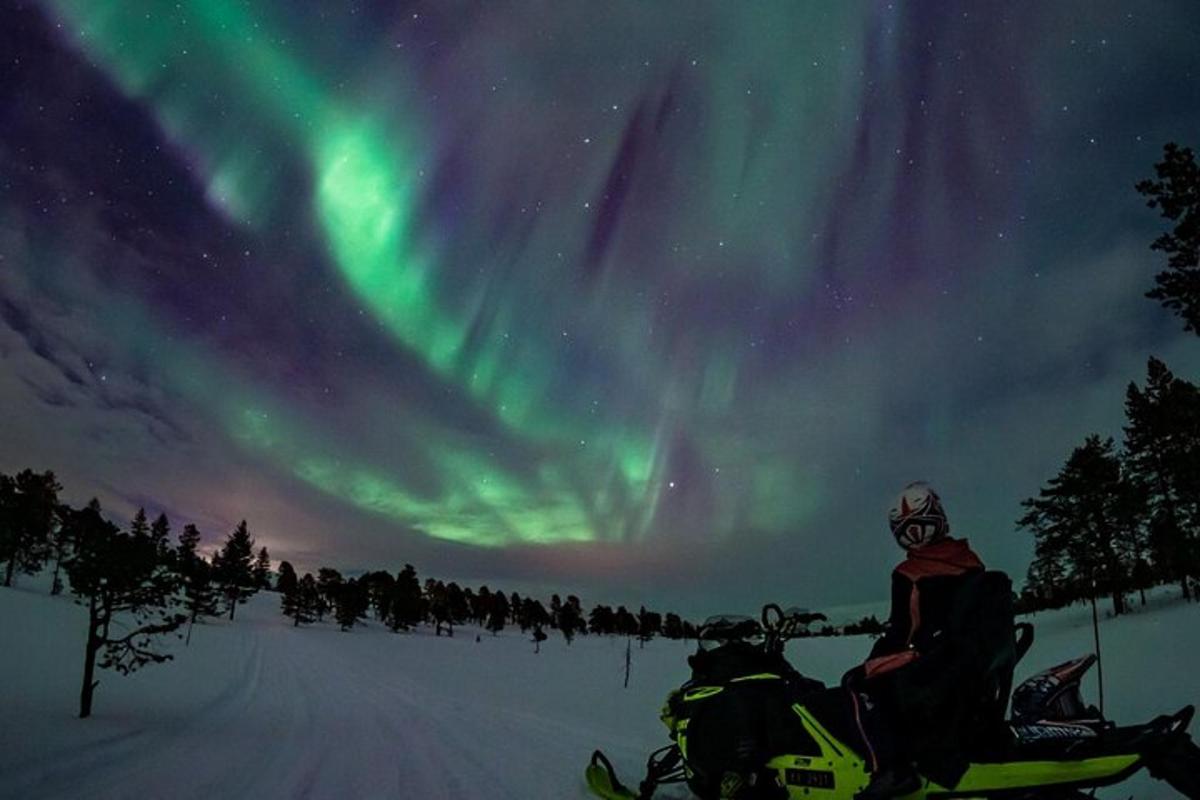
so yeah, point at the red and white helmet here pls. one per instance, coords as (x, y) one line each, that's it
(917, 517)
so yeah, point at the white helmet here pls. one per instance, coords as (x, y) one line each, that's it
(917, 517)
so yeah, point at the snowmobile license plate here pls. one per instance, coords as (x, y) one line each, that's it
(813, 778)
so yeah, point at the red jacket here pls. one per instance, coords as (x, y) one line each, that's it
(923, 586)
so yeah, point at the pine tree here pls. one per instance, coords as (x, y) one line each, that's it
(649, 623)
(28, 510)
(199, 595)
(602, 620)
(1176, 194)
(350, 604)
(329, 580)
(160, 534)
(379, 586)
(407, 606)
(262, 570)
(570, 619)
(672, 626)
(533, 614)
(498, 614)
(120, 575)
(234, 568)
(287, 580)
(62, 543)
(1076, 519)
(300, 600)
(140, 526)
(437, 601)
(457, 608)
(481, 605)
(624, 623)
(1162, 442)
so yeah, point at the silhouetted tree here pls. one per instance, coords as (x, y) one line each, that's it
(498, 615)
(649, 623)
(121, 578)
(378, 586)
(300, 601)
(533, 614)
(140, 525)
(407, 606)
(160, 534)
(570, 618)
(329, 580)
(62, 544)
(624, 623)
(261, 570)
(199, 594)
(233, 568)
(1176, 193)
(287, 580)
(601, 620)
(457, 606)
(1162, 443)
(481, 605)
(1078, 515)
(672, 626)
(515, 604)
(350, 603)
(28, 510)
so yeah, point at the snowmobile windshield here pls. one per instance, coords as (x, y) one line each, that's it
(722, 629)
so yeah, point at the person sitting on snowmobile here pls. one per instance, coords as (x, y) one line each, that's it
(923, 589)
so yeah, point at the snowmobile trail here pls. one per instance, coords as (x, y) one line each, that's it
(260, 709)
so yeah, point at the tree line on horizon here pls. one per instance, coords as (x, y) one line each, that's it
(402, 602)
(1117, 520)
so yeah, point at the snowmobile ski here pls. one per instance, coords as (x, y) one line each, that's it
(602, 780)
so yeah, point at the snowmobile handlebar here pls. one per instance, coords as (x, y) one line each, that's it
(779, 626)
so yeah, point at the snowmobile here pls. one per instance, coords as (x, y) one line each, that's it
(747, 726)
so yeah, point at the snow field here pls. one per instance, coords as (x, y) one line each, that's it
(257, 708)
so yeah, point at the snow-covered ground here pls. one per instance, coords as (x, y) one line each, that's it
(259, 709)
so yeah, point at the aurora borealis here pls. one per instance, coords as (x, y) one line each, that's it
(646, 300)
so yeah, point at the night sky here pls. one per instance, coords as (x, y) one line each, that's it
(648, 301)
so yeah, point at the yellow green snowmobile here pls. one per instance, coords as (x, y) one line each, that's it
(747, 726)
